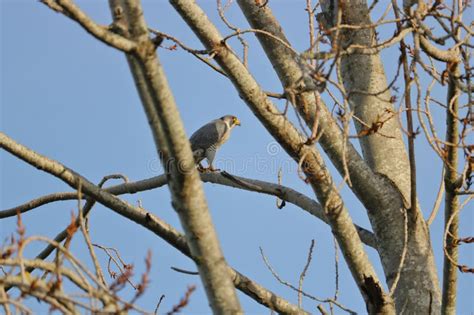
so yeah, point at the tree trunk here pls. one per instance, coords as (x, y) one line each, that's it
(365, 82)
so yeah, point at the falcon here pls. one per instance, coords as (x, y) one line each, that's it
(206, 140)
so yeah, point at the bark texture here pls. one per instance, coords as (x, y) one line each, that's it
(295, 145)
(381, 176)
(173, 147)
(144, 218)
(365, 82)
(284, 193)
(450, 270)
(384, 197)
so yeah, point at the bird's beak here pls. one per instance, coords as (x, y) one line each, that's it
(237, 122)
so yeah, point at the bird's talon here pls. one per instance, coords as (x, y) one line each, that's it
(211, 169)
(200, 168)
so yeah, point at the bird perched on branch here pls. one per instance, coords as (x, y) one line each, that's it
(206, 140)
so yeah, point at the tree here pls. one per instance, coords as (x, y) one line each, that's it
(342, 98)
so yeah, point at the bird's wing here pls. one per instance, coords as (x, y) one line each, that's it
(205, 136)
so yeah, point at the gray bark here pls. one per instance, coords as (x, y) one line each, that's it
(384, 197)
(451, 206)
(380, 177)
(171, 141)
(294, 144)
(145, 219)
(284, 193)
(365, 81)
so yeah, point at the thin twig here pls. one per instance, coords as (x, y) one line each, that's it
(393, 287)
(183, 302)
(285, 283)
(245, 46)
(112, 258)
(102, 33)
(85, 233)
(462, 268)
(336, 269)
(437, 203)
(280, 203)
(188, 272)
(303, 273)
(158, 304)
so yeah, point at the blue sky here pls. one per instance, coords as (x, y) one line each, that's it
(71, 98)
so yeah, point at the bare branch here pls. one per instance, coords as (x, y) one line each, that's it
(436, 53)
(172, 144)
(144, 218)
(158, 304)
(360, 49)
(303, 273)
(183, 302)
(284, 193)
(289, 285)
(194, 273)
(102, 33)
(451, 199)
(437, 203)
(291, 140)
(37, 202)
(87, 239)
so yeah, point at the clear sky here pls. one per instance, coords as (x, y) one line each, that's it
(71, 98)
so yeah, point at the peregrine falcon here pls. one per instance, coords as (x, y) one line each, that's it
(207, 139)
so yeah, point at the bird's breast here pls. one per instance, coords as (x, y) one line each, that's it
(224, 138)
